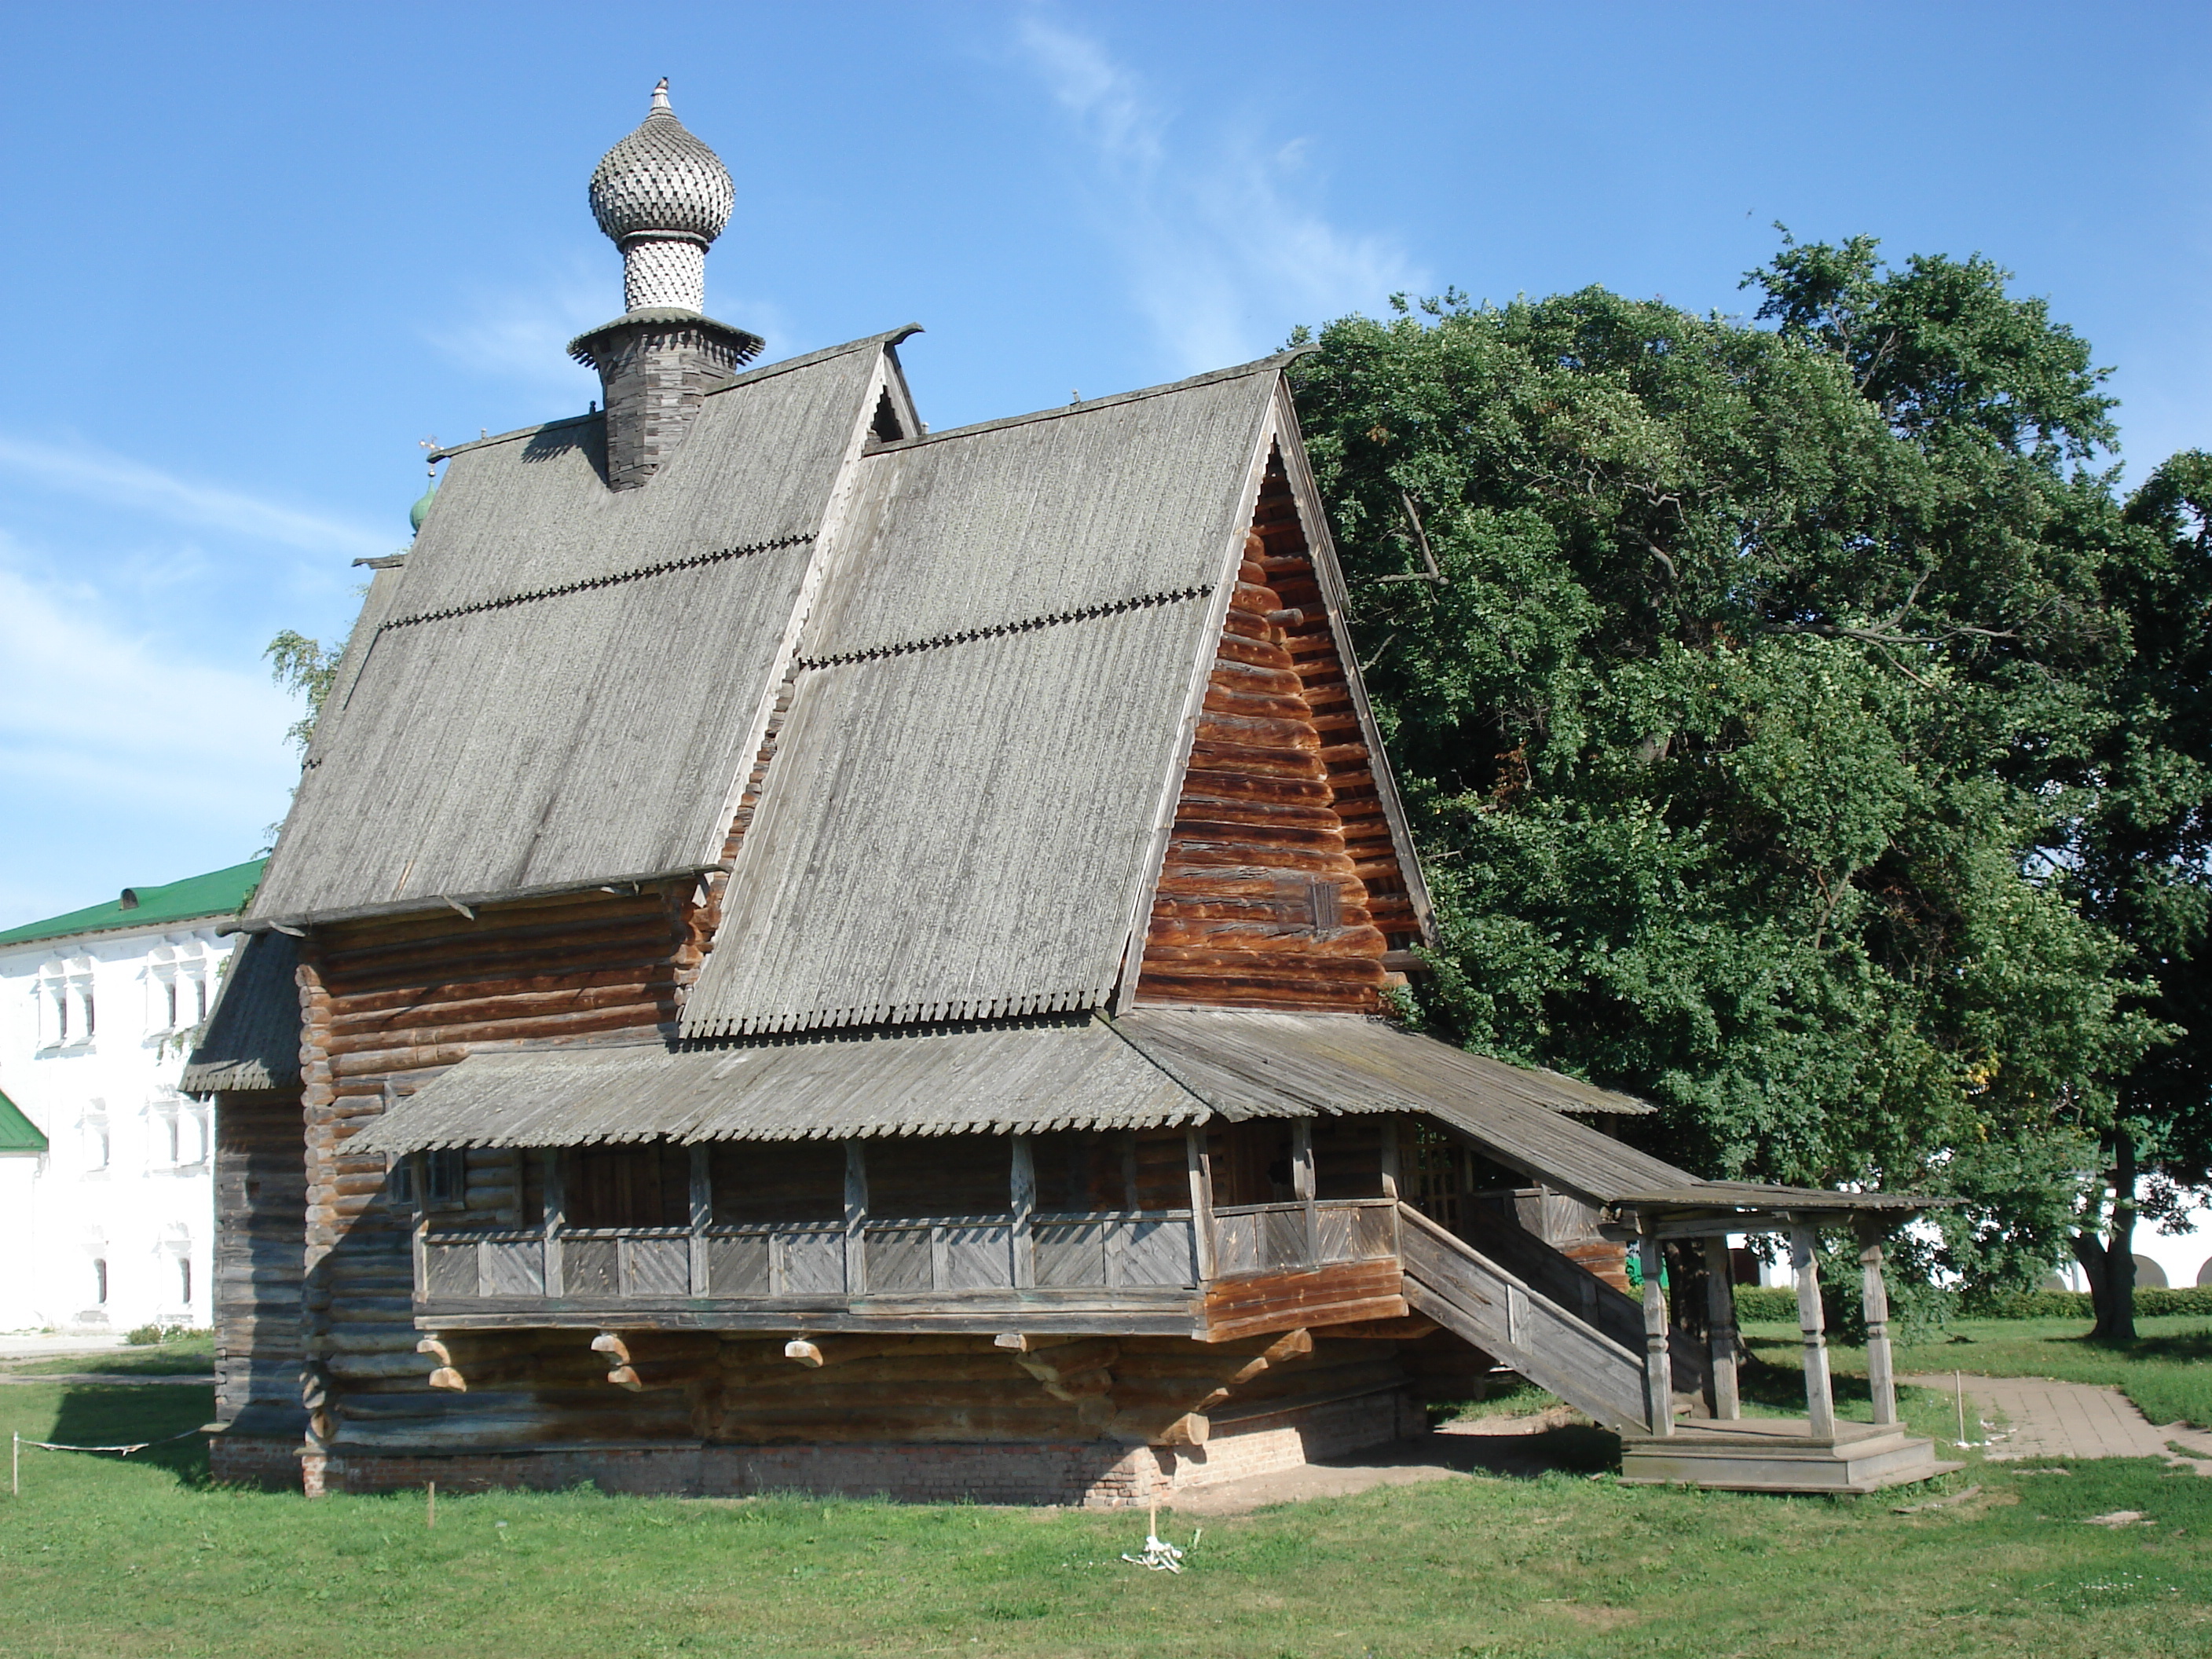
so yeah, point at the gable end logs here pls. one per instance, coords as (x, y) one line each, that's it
(1280, 887)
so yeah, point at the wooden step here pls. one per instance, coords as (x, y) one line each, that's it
(1780, 1454)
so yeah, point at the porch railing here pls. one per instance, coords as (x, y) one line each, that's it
(910, 1256)
(1264, 1238)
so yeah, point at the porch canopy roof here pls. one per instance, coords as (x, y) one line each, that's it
(1149, 1068)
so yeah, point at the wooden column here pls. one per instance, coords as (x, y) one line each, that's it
(1881, 1376)
(702, 1214)
(1199, 1161)
(418, 1175)
(556, 1218)
(856, 1220)
(1022, 1192)
(1820, 1397)
(1658, 1378)
(1720, 1325)
(1390, 1157)
(1301, 1182)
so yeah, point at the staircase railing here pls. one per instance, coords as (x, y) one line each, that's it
(1561, 1349)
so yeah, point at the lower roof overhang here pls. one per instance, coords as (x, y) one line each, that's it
(1152, 1068)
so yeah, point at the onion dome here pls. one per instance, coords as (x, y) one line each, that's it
(421, 510)
(661, 181)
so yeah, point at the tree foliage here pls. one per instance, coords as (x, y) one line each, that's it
(1757, 715)
(305, 666)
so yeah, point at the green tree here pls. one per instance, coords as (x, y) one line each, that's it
(304, 666)
(2147, 871)
(1752, 711)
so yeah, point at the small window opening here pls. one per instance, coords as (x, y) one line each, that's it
(399, 1177)
(99, 1282)
(185, 1279)
(199, 1000)
(169, 991)
(176, 1139)
(449, 1178)
(885, 427)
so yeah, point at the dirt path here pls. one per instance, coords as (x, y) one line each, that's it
(1521, 1446)
(2046, 1418)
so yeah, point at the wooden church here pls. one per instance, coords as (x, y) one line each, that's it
(811, 953)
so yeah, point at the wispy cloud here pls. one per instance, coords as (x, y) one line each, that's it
(143, 765)
(114, 480)
(1223, 247)
(522, 334)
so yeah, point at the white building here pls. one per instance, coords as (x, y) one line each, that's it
(110, 1224)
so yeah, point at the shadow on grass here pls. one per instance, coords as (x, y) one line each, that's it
(92, 1415)
(2182, 1346)
(1761, 1382)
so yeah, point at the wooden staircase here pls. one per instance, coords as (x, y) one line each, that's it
(1529, 1307)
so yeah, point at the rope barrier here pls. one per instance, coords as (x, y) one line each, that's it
(15, 1453)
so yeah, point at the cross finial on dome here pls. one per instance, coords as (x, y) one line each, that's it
(660, 98)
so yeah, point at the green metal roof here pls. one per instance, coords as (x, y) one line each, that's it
(218, 893)
(17, 1132)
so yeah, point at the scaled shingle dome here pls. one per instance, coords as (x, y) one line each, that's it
(661, 181)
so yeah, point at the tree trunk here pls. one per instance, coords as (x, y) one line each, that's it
(2110, 1262)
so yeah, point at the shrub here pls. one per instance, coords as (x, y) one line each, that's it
(148, 1336)
(1777, 1305)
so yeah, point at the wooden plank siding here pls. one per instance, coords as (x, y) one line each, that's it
(1280, 887)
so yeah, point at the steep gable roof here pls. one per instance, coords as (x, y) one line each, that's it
(562, 682)
(993, 699)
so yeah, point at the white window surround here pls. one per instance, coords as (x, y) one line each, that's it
(67, 1010)
(177, 1134)
(177, 978)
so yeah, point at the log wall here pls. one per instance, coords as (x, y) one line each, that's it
(1282, 887)
(260, 1201)
(387, 1004)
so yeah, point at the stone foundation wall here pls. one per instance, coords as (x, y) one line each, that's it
(1089, 1475)
(254, 1460)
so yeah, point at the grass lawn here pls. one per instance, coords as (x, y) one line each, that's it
(194, 1356)
(2167, 1371)
(145, 1558)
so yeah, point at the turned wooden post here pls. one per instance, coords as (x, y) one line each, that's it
(1301, 1183)
(1022, 1191)
(1658, 1379)
(556, 1217)
(1198, 1160)
(1874, 1290)
(702, 1214)
(1819, 1397)
(1391, 1158)
(1720, 1326)
(856, 1220)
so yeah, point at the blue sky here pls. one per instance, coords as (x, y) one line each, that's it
(254, 254)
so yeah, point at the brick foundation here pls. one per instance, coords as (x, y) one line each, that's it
(1088, 1474)
(254, 1460)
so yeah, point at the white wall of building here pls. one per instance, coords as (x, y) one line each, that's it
(116, 1222)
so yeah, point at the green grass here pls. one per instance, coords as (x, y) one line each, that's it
(145, 1558)
(2167, 1371)
(193, 1357)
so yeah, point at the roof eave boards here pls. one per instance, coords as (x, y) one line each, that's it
(1015, 1079)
